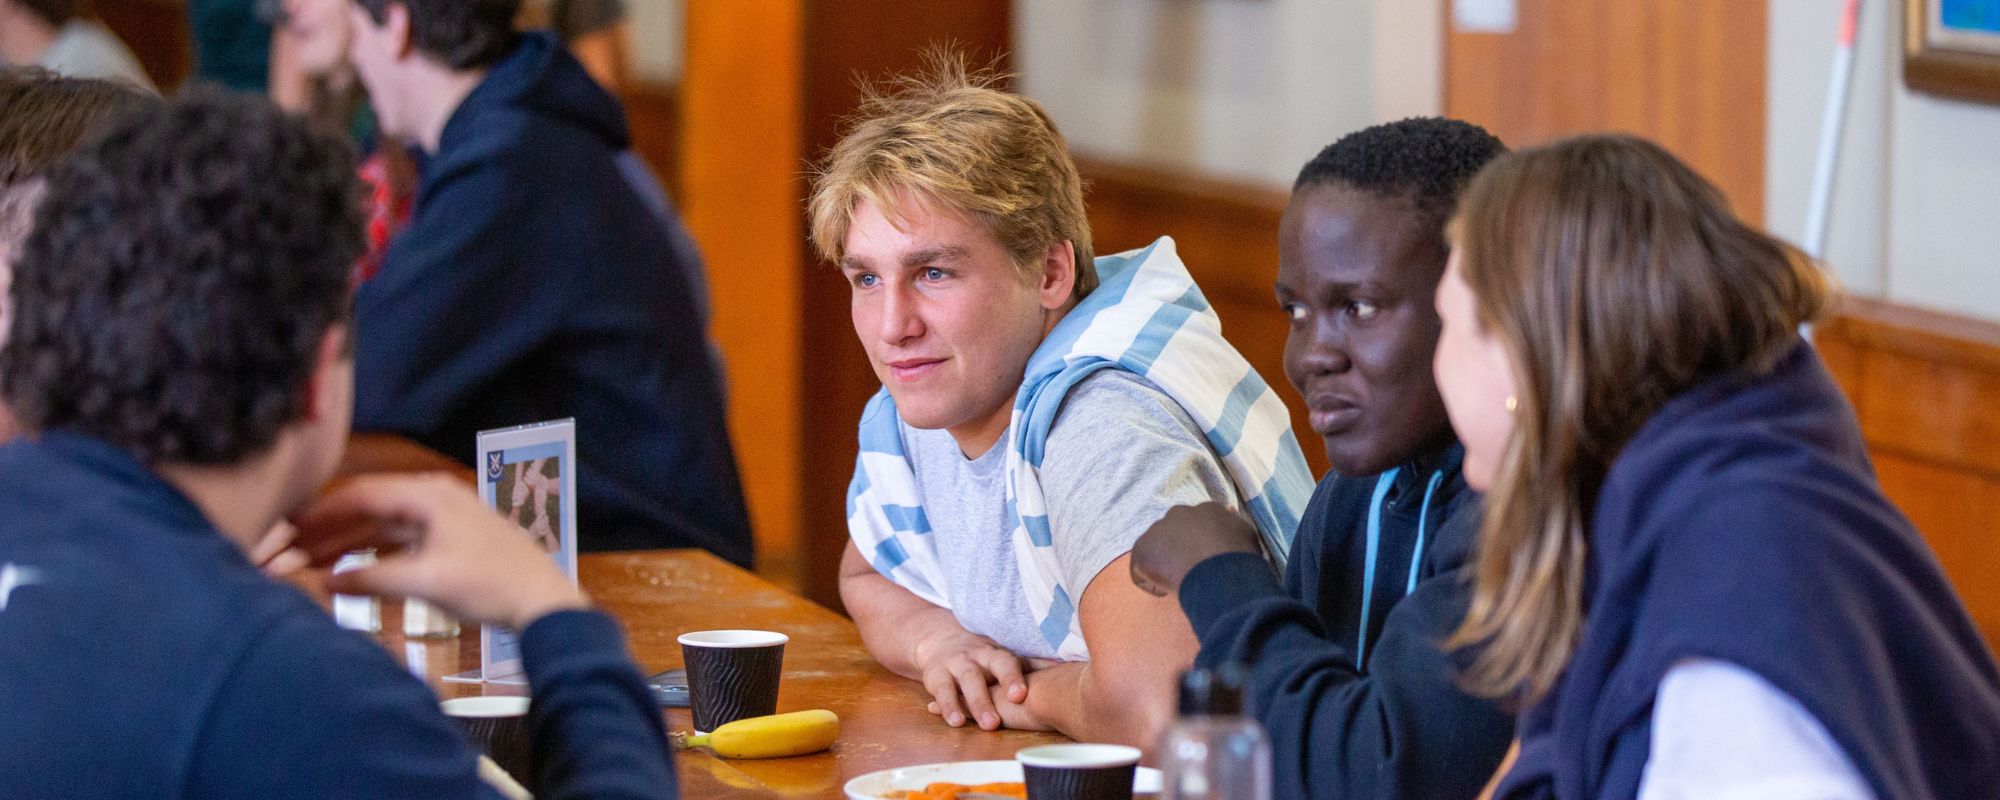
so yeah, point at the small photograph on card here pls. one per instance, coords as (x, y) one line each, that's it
(530, 493)
(529, 477)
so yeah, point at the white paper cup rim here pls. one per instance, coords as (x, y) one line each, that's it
(486, 707)
(733, 638)
(1078, 756)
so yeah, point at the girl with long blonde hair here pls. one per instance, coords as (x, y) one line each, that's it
(1686, 572)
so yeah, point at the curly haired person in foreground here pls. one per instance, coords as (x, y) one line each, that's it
(182, 353)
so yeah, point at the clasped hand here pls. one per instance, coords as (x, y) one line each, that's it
(972, 678)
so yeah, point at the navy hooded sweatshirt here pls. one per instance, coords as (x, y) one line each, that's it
(1743, 523)
(1384, 719)
(141, 655)
(534, 283)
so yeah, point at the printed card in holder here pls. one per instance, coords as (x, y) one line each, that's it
(528, 475)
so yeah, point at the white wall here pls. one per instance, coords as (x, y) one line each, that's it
(1240, 89)
(657, 39)
(1916, 210)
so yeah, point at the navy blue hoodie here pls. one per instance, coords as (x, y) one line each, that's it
(1743, 523)
(1354, 714)
(141, 655)
(534, 283)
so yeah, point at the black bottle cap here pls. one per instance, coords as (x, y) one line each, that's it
(1214, 692)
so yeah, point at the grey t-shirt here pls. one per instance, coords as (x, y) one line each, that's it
(1120, 454)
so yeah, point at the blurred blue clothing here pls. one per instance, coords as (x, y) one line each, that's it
(535, 282)
(142, 655)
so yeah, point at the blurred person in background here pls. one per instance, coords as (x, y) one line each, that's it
(53, 34)
(536, 281)
(310, 74)
(188, 367)
(42, 117)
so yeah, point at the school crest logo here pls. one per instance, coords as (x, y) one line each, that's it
(492, 466)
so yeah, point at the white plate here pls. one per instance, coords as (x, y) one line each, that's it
(874, 785)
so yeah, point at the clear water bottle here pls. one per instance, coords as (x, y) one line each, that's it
(1215, 751)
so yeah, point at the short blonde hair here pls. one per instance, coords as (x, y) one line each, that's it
(954, 142)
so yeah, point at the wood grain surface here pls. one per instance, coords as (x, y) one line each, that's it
(659, 595)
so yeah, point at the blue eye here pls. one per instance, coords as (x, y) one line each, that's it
(866, 280)
(934, 274)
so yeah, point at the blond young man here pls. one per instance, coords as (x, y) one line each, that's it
(1040, 410)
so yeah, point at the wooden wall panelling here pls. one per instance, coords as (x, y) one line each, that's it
(1689, 74)
(157, 32)
(1926, 387)
(1931, 409)
(1228, 235)
(1958, 512)
(653, 110)
(738, 170)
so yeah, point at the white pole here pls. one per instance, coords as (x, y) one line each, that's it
(1830, 127)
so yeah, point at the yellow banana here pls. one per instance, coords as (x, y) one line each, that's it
(775, 736)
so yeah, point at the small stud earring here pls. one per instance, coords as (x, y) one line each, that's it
(1512, 404)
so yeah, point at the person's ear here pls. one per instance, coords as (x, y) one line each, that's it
(332, 359)
(396, 24)
(1058, 281)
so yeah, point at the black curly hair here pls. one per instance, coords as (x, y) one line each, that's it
(184, 266)
(1426, 159)
(463, 34)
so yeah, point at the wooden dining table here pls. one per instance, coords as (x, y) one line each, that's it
(660, 594)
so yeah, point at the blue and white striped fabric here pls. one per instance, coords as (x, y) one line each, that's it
(1148, 317)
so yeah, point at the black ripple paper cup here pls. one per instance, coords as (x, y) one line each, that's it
(732, 675)
(1079, 771)
(498, 726)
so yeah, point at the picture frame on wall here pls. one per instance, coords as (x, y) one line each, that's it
(1952, 48)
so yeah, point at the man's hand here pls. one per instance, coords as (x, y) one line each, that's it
(275, 552)
(438, 543)
(1186, 536)
(1013, 716)
(965, 673)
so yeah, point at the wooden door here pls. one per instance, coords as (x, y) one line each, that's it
(1689, 74)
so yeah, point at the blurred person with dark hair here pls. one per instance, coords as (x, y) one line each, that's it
(42, 117)
(311, 75)
(183, 350)
(1348, 673)
(52, 34)
(535, 281)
